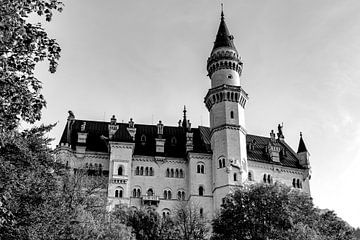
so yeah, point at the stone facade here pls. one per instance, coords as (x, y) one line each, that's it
(159, 166)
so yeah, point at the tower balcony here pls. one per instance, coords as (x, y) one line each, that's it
(150, 200)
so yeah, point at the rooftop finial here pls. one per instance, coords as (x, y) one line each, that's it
(301, 134)
(222, 11)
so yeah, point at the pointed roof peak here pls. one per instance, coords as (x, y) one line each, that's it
(223, 36)
(302, 147)
(222, 11)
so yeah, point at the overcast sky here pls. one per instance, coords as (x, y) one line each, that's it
(146, 59)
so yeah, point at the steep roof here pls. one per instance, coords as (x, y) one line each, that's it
(175, 141)
(302, 147)
(223, 36)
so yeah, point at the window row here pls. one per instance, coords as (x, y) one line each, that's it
(297, 183)
(93, 166)
(143, 139)
(177, 173)
(147, 171)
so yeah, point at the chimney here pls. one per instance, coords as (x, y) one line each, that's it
(160, 141)
(81, 140)
(131, 129)
(113, 127)
(189, 141)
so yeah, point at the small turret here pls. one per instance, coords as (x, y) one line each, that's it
(303, 153)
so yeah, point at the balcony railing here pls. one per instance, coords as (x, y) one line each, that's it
(150, 200)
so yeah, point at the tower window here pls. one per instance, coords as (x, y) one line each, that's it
(230, 76)
(235, 177)
(201, 191)
(120, 171)
(201, 212)
(232, 114)
(200, 168)
(250, 176)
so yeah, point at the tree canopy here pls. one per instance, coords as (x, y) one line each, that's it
(22, 45)
(275, 211)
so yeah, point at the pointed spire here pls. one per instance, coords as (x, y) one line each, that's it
(302, 147)
(223, 37)
(184, 122)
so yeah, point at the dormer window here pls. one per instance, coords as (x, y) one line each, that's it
(173, 141)
(143, 139)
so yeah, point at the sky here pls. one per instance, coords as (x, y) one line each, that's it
(147, 59)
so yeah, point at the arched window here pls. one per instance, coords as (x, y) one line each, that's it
(141, 170)
(200, 168)
(269, 179)
(173, 141)
(220, 163)
(137, 171)
(183, 195)
(223, 162)
(138, 193)
(235, 177)
(250, 176)
(150, 192)
(91, 166)
(151, 173)
(177, 173)
(134, 192)
(120, 170)
(294, 182)
(167, 172)
(119, 193)
(172, 172)
(298, 184)
(179, 195)
(201, 212)
(232, 114)
(169, 194)
(146, 171)
(181, 173)
(201, 191)
(265, 178)
(143, 138)
(86, 165)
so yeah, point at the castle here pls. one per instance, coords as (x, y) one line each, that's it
(158, 166)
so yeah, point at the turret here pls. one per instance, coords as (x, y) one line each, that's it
(303, 153)
(226, 101)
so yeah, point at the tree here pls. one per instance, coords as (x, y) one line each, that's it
(22, 45)
(26, 180)
(189, 221)
(264, 211)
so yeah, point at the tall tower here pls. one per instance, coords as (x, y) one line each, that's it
(226, 102)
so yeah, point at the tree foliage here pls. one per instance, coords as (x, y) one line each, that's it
(22, 45)
(276, 212)
(185, 223)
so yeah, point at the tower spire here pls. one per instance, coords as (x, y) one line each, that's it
(302, 147)
(222, 11)
(184, 122)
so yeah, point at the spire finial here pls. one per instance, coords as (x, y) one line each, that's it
(301, 134)
(222, 11)
(184, 112)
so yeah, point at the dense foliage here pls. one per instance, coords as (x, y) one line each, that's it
(22, 45)
(185, 223)
(276, 212)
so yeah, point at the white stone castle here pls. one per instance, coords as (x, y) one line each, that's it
(158, 166)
